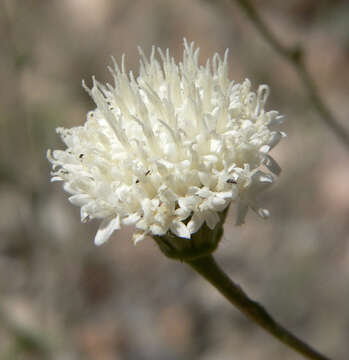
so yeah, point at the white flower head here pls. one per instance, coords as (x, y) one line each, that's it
(170, 149)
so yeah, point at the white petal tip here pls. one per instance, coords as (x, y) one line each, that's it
(263, 213)
(179, 229)
(106, 228)
(138, 236)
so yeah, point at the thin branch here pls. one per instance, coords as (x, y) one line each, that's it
(208, 268)
(295, 56)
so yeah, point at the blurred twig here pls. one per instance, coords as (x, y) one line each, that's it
(26, 341)
(295, 56)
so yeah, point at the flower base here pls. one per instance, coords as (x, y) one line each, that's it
(203, 243)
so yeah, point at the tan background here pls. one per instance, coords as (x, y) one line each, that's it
(63, 298)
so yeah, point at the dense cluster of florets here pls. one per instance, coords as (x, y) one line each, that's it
(170, 149)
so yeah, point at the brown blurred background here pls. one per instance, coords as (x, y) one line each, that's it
(63, 298)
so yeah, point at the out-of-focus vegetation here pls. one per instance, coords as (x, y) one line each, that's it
(63, 298)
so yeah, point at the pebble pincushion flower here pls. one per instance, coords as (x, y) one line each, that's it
(169, 150)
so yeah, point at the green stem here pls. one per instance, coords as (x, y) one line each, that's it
(295, 56)
(208, 268)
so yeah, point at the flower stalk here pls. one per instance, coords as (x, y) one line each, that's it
(197, 253)
(208, 268)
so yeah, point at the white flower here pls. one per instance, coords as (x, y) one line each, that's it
(168, 150)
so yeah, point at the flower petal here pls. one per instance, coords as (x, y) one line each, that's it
(80, 199)
(106, 228)
(211, 219)
(271, 164)
(195, 222)
(179, 229)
